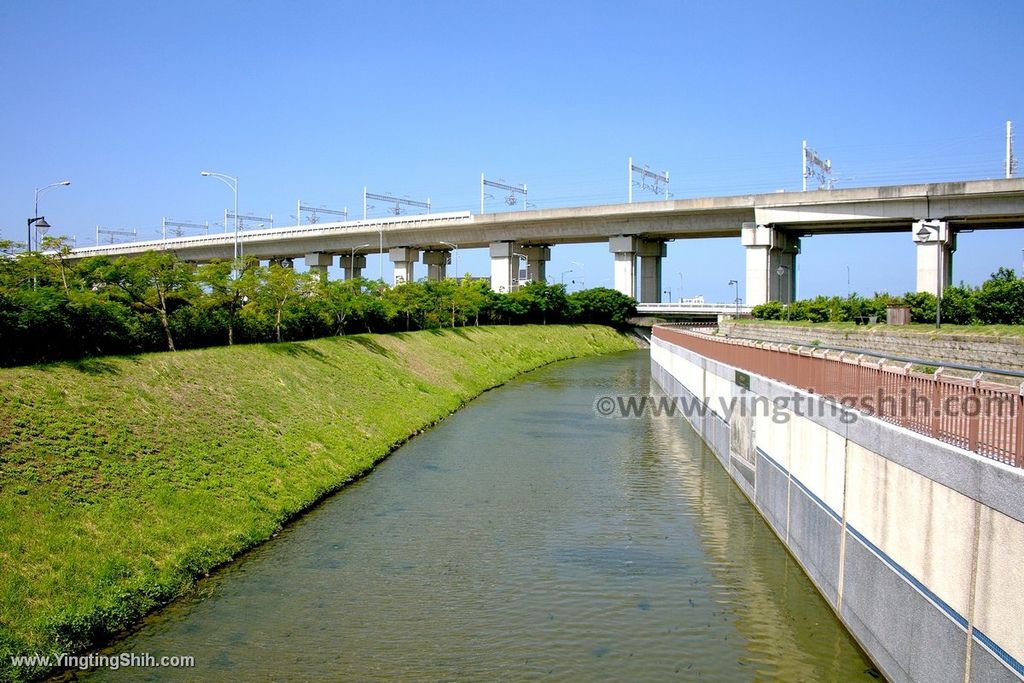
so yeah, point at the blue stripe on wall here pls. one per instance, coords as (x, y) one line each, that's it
(1005, 657)
(999, 652)
(822, 504)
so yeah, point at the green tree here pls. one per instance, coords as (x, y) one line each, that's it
(228, 290)
(602, 306)
(345, 302)
(154, 281)
(958, 305)
(922, 306)
(277, 288)
(1000, 299)
(57, 250)
(472, 298)
(542, 301)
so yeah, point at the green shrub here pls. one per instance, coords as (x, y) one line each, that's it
(771, 310)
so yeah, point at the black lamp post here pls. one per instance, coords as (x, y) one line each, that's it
(39, 222)
(736, 299)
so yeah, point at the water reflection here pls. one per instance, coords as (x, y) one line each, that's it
(524, 538)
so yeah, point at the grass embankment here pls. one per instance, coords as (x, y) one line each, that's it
(1014, 331)
(124, 479)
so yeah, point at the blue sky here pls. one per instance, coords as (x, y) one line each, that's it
(315, 100)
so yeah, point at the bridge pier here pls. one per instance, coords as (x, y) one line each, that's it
(503, 261)
(936, 243)
(404, 259)
(352, 266)
(319, 262)
(624, 248)
(769, 250)
(437, 261)
(537, 258)
(651, 252)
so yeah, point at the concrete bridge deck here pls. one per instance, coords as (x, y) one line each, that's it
(769, 225)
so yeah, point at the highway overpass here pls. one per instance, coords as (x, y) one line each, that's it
(769, 227)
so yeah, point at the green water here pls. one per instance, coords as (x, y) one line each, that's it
(525, 538)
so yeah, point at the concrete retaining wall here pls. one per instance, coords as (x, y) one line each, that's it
(917, 545)
(973, 349)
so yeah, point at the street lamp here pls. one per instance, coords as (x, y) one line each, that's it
(517, 255)
(352, 260)
(36, 219)
(352, 255)
(232, 182)
(39, 222)
(583, 273)
(736, 284)
(563, 275)
(456, 248)
(781, 270)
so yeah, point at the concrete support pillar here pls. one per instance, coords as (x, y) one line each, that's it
(404, 259)
(650, 252)
(319, 262)
(936, 243)
(624, 248)
(503, 265)
(437, 261)
(768, 251)
(352, 265)
(537, 258)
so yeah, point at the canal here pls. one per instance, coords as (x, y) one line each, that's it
(523, 538)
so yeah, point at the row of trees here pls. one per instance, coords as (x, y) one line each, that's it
(997, 301)
(52, 308)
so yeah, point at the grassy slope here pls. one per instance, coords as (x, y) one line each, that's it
(122, 479)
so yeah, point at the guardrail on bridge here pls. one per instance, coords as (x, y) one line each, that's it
(984, 417)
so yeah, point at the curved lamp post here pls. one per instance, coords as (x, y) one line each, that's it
(232, 182)
(352, 254)
(736, 284)
(36, 219)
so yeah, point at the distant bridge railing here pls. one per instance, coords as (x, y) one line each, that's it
(270, 234)
(693, 307)
(980, 416)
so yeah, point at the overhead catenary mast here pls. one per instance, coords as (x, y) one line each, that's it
(114, 234)
(315, 211)
(244, 217)
(815, 167)
(657, 180)
(398, 202)
(512, 191)
(1011, 162)
(178, 227)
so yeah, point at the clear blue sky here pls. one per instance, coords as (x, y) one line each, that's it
(130, 100)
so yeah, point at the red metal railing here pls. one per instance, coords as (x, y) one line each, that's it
(984, 417)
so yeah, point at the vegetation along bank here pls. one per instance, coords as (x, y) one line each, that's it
(123, 479)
